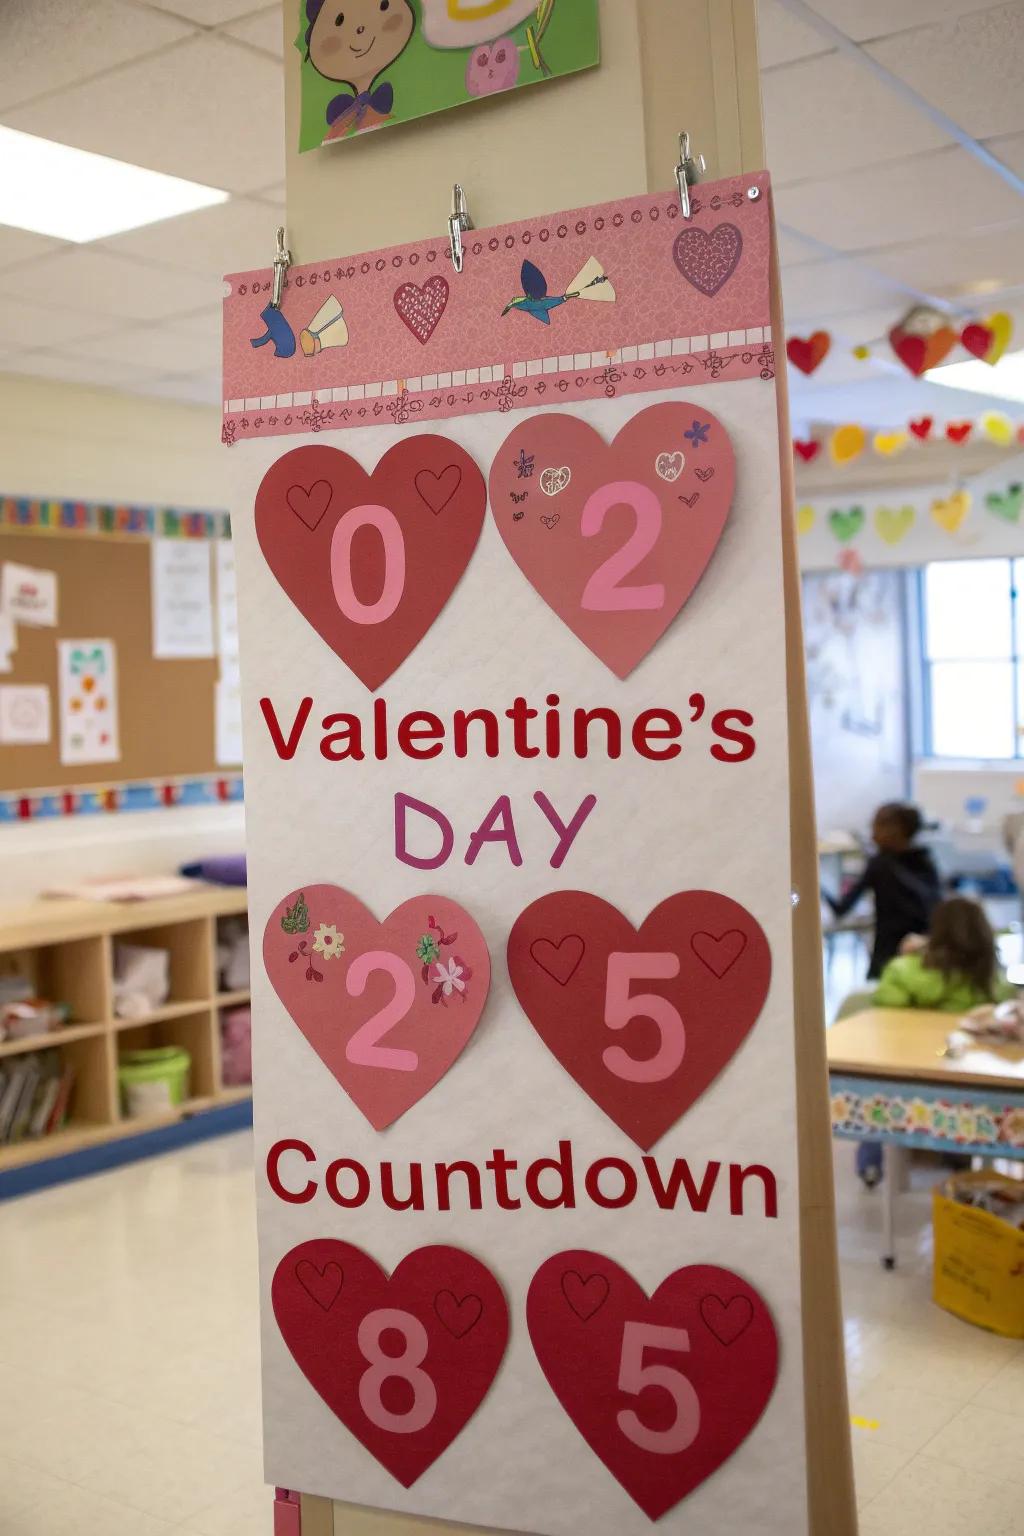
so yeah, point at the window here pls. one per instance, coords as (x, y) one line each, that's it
(973, 649)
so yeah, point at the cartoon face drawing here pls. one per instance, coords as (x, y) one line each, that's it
(356, 40)
(492, 67)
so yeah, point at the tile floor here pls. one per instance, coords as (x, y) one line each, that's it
(141, 1418)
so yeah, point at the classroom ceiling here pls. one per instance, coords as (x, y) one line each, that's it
(882, 202)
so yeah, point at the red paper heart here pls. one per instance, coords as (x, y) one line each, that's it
(708, 983)
(977, 338)
(420, 309)
(808, 449)
(919, 353)
(663, 1389)
(809, 354)
(375, 1010)
(373, 570)
(606, 544)
(708, 258)
(958, 431)
(347, 1352)
(922, 427)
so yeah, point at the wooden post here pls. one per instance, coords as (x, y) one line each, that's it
(666, 65)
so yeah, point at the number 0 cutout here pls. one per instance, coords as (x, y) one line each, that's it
(387, 526)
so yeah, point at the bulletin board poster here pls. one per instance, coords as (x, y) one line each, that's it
(512, 642)
(370, 63)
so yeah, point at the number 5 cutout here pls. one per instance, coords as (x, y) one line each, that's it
(387, 1006)
(615, 536)
(663, 1389)
(370, 560)
(404, 1362)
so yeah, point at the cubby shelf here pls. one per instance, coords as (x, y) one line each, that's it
(66, 948)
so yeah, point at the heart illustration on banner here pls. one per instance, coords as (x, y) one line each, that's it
(705, 1339)
(808, 353)
(950, 511)
(708, 258)
(337, 1310)
(420, 309)
(370, 560)
(643, 1019)
(893, 523)
(626, 558)
(388, 1007)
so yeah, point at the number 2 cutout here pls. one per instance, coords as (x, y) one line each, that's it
(603, 592)
(364, 1049)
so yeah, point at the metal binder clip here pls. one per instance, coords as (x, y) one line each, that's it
(688, 172)
(282, 261)
(459, 222)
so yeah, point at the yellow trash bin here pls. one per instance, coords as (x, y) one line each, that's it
(979, 1258)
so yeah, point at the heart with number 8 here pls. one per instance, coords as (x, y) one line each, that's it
(627, 555)
(643, 1018)
(403, 1361)
(388, 1007)
(665, 1388)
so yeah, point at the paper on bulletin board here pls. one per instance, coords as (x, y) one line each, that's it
(24, 714)
(8, 641)
(28, 595)
(182, 598)
(426, 57)
(228, 722)
(227, 599)
(88, 702)
(547, 732)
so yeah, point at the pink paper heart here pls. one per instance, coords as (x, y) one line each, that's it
(625, 558)
(388, 1007)
(708, 258)
(420, 308)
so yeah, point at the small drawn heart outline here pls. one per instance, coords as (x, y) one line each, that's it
(553, 480)
(669, 466)
(310, 505)
(552, 521)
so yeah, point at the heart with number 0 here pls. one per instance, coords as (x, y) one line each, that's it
(404, 1362)
(663, 1389)
(370, 560)
(643, 1018)
(388, 1007)
(629, 543)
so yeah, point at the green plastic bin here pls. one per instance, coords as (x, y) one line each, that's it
(153, 1081)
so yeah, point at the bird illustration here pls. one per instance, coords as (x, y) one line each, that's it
(535, 300)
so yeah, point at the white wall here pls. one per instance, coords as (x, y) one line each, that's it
(59, 440)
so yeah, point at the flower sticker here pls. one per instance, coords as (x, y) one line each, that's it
(296, 917)
(327, 941)
(698, 433)
(428, 949)
(450, 977)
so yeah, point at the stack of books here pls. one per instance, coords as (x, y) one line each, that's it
(35, 1093)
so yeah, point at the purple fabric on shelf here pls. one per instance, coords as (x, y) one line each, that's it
(228, 869)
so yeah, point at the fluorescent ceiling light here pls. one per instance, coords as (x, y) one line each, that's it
(71, 194)
(1006, 379)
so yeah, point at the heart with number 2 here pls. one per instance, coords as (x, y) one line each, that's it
(619, 548)
(403, 1361)
(663, 1389)
(643, 1018)
(388, 1007)
(370, 560)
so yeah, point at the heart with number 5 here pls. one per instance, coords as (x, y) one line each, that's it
(404, 1361)
(643, 1018)
(370, 560)
(388, 1007)
(629, 545)
(663, 1389)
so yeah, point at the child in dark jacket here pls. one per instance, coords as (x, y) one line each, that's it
(902, 878)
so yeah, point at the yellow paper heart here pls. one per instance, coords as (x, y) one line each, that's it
(949, 512)
(890, 443)
(1001, 327)
(998, 428)
(894, 523)
(804, 519)
(847, 443)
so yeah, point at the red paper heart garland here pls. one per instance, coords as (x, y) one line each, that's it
(809, 353)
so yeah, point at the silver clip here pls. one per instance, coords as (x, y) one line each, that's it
(459, 222)
(688, 172)
(282, 261)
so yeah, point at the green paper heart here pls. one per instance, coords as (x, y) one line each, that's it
(1008, 504)
(894, 523)
(846, 524)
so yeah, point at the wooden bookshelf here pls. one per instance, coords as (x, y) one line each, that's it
(66, 949)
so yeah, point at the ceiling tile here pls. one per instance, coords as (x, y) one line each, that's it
(907, 200)
(792, 249)
(972, 68)
(164, 348)
(208, 13)
(233, 237)
(781, 37)
(263, 30)
(194, 388)
(20, 245)
(841, 99)
(47, 45)
(861, 19)
(833, 288)
(39, 325)
(981, 262)
(81, 370)
(207, 109)
(88, 281)
(1010, 151)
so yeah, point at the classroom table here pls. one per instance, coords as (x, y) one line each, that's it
(891, 1080)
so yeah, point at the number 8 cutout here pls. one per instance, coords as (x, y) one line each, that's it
(615, 536)
(387, 1006)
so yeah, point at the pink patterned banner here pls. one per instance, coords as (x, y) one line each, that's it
(570, 307)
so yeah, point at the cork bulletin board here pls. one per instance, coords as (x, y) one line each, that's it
(166, 708)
